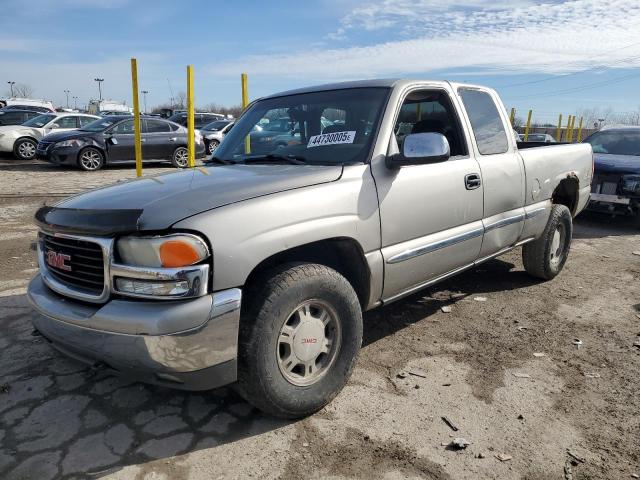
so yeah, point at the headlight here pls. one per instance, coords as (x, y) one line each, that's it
(68, 143)
(170, 251)
(631, 184)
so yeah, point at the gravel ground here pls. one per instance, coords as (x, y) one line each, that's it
(504, 370)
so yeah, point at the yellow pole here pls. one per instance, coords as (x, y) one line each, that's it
(527, 127)
(136, 117)
(559, 129)
(245, 102)
(512, 116)
(579, 139)
(191, 146)
(570, 128)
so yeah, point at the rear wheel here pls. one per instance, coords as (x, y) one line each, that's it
(25, 148)
(180, 158)
(300, 334)
(545, 257)
(90, 159)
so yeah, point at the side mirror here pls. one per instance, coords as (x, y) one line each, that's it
(421, 148)
(113, 140)
(54, 126)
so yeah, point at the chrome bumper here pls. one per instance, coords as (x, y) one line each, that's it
(189, 344)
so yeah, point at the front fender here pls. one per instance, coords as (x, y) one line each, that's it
(244, 234)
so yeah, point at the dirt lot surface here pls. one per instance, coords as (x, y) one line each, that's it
(501, 365)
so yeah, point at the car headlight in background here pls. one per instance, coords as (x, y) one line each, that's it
(631, 184)
(68, 143)
(171, 251)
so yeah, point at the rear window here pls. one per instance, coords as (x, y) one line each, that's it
(486, 123)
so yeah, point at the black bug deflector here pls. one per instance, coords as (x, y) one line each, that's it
(101, 222)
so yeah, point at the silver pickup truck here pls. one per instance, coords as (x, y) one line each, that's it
(255, 269)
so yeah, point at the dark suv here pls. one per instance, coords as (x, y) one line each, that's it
(10, 116)
(110, 140)
(200, 119)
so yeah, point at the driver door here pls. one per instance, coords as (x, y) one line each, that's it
(431, 214)
(120, 142)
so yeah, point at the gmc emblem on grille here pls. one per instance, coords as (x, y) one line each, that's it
(58, 260)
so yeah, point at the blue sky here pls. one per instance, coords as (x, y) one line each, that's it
(554, 57)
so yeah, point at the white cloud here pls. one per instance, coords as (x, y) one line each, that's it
(541, 38)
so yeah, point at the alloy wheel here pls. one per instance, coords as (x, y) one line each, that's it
(27, 150)
(308, 342)
(91, 160)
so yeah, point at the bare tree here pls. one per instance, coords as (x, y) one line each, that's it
(22, 90)
(180, 100)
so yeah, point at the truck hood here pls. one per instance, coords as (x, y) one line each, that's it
(157, 202)
(605, 163)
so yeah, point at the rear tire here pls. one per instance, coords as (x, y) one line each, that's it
(90, 159)
(545, 257)
(180, 158)
(25, 148)
(300, 334)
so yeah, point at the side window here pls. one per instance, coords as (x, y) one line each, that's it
(123, 128)
(486, 123)
(67, 122)
(85, 120)
(156, 126)
(430, 111)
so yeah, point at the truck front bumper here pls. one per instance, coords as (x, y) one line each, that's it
(197, 358)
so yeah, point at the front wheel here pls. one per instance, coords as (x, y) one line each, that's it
(545, 256)
(180, 158)
(25, 148)
(90, 159)
(213, 144)
(300, 335)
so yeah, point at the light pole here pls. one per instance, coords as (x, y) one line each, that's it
(99, 80)
(75, 102)
(144, 92)
(67, 92)
(11, 84)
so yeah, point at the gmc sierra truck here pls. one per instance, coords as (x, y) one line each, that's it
(254, 270)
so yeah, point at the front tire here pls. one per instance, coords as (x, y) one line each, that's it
(213, 144)
(180, 158)
(90, 159)
(300, 334)
(545, 257)
(25, 149)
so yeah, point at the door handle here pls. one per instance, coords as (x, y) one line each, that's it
(472, 181)
(173, 139)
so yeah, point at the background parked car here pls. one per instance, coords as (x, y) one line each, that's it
(32, 108)
(200, 118)
(615, 187)
(16, 117)
(28, 103)
(110, 140)
(213, 133)
(23, 139)
(538, 137)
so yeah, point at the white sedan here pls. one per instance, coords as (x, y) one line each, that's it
(23, 139)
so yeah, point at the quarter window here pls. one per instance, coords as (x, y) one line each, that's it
(123, 128)
(486, 123)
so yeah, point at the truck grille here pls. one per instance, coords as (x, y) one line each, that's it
(78, 264)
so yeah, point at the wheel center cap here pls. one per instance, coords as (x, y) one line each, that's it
(308, 340)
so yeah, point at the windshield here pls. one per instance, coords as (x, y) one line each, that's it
(331, 127)
(39, 121)
(98, 125)
(616, 142)
(215, 126)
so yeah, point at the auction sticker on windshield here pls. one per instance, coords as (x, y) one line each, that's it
(332, 139)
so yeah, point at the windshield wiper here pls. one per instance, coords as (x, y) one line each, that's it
(292, 159)
(218, 160)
